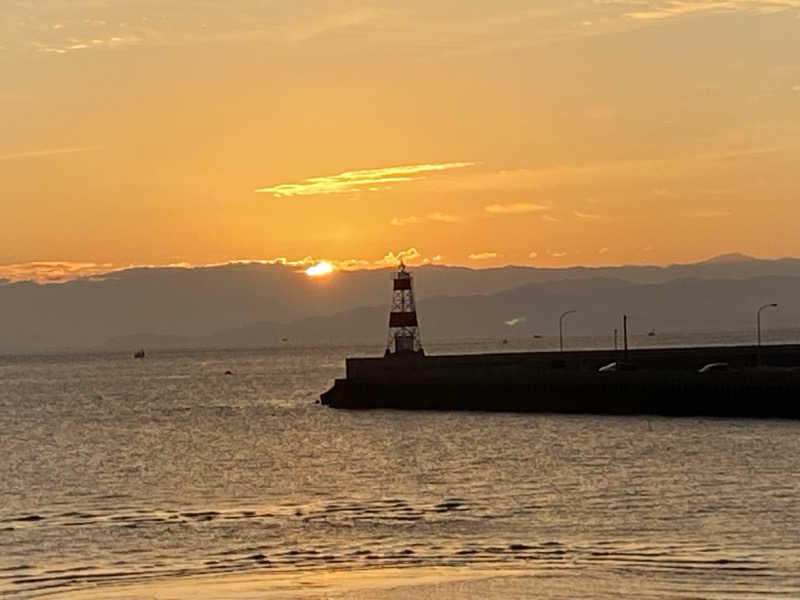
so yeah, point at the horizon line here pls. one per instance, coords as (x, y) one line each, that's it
(46, 272)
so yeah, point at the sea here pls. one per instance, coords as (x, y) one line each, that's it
(215, 474)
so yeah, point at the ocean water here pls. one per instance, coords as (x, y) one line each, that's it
(167, 478)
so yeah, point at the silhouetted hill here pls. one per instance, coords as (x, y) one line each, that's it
(220, 305)
(729, 258)
(680, 305)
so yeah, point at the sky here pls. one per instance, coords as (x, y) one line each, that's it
(465, 132)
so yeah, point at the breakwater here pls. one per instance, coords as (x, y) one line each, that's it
(762, 383)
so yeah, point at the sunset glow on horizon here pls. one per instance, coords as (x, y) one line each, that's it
(320, 269)
(556, 134)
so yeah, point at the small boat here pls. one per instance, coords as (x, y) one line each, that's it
(505, 341)
(139, 354)
(537, 337)
(651, 333)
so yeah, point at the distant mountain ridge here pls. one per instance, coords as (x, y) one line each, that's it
(729, 258)
(679, 305)
(255, 304)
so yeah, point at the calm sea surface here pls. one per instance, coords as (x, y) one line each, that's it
(122, 474)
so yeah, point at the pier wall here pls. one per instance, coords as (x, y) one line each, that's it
(738, 395)
(520, 366)
(761, 383)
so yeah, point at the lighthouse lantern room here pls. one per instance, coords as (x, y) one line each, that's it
(403, 324)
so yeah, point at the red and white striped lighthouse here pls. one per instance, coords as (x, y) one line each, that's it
(403, 324)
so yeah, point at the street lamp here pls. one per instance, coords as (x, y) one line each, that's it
(758, 320)
(561, 328)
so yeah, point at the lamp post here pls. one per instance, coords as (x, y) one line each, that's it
(625, 335)
(758, 320)
(561, 328)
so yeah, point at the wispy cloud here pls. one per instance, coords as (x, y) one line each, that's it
(708, 214)
(586, 216)
(403, 221)
(432, 217)
(666, 9)
(483, 256)
(516, 208)
(63, 270)
(48, 152)
(655, 170)
(392, 259)
(327, 23)
(73, 45)
(52, 271)
(364, 179)
(67, 26)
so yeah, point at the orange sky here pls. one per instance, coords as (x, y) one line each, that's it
(550, 133)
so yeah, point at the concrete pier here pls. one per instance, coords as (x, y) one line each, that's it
(763, 383)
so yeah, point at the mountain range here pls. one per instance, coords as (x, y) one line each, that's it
(259, 305)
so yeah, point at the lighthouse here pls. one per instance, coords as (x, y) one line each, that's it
(403, 324)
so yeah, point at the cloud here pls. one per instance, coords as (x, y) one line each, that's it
(52, 271)
(392, 259)
(73, 44)
(416, 28)
(664, 193)
(655, 170)
(557, 253)
(432, 217)
(550, 219)
(444, 218)
(603, 251)
(65, 26)
(483, 256)
(533, 255)
(352, 181)
(708, 214)
(666, 9)
(586, 216)
(516, 208)
(310, 29)
(349, 264)
(63, 271)
(48, 152)
(403, 221)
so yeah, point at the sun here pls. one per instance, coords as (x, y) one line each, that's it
(319, 269)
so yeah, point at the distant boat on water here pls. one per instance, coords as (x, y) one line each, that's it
(651, 333)
(139, 354)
